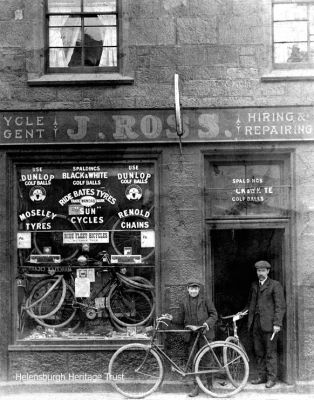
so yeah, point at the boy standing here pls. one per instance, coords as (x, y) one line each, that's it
(196, 310)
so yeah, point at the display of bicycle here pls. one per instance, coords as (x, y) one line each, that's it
(137, 369)
(129, 301)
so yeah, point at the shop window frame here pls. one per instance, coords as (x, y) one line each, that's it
(19, 159)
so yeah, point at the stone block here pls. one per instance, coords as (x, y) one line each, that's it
(190, 73)
(15, 33)
(175, 7)
(196, 31)
(37, 363)
(142, 8)
(191, 55)
(154, 74)
(241, 73)
(179, 272)
(217, 8)
(152, 31)
(101, 361)
(237, 30)
(82, 362)
(164, 56)
(248, 61)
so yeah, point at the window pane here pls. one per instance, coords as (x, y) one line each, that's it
(100, 36)
(311, 19)
(92, 56)
(109, 57)
(290, 52)
(293, 31)
(284, 12)
(99, 6)
(64, 6)
(65, 37)
(101, 20)
(64, 21)
(245, 189)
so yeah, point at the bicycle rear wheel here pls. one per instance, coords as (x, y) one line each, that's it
(55, 310)
(213, 372)
(235, 370)
(135, 370)
(129, 307)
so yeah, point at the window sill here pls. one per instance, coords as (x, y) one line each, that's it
(279, 75)
(67, 345)
(80, 79)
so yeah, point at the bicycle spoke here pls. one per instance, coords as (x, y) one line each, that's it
(222, 369)
(130, 307)
(135, 370)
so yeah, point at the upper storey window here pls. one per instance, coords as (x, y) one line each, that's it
(82, 35)
(293, 34)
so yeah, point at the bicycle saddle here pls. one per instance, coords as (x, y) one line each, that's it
(194, 328)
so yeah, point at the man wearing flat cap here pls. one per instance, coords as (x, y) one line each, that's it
(266, 309)
(196, 310)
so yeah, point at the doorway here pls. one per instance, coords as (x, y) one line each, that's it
(233, 255)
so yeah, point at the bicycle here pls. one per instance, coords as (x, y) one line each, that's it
(137, 370)
(234, 339)
(130, 301)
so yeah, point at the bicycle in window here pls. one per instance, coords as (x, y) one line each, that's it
(129, 301)
(138, 369)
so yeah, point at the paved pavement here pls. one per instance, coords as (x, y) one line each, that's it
(156, 396)
(279, 392)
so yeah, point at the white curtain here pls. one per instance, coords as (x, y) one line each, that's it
(72, 40)
(61, 57)
(57, 56)
(109, 37)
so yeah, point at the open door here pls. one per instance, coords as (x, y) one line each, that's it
(233, 255)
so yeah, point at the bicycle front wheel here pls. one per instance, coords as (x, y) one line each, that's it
(129, 307)
(218, 376)
(135, 370)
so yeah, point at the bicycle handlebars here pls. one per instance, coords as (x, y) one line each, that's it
(237, 316)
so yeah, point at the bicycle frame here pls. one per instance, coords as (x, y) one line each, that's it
(104, 289)
(182, 371)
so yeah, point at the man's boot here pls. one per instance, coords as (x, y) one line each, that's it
(195, 391)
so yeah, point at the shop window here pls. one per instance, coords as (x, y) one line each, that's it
(246, 188)
(82, 35)
(85, 250)
(293, 34)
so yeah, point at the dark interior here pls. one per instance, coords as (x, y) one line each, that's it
(234, 252)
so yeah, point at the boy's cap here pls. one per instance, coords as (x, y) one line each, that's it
(262, 264)
(194, 282)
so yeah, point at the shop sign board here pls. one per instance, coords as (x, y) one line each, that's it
(85, 237)
(138, 126)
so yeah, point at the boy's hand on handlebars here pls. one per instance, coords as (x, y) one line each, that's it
(167, 316)
(206, 326)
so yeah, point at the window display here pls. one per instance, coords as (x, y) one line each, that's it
(86, 250)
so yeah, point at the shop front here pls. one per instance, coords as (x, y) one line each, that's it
(106, 219)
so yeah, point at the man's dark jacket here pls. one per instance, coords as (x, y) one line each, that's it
(206, 312)
(270, 301)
